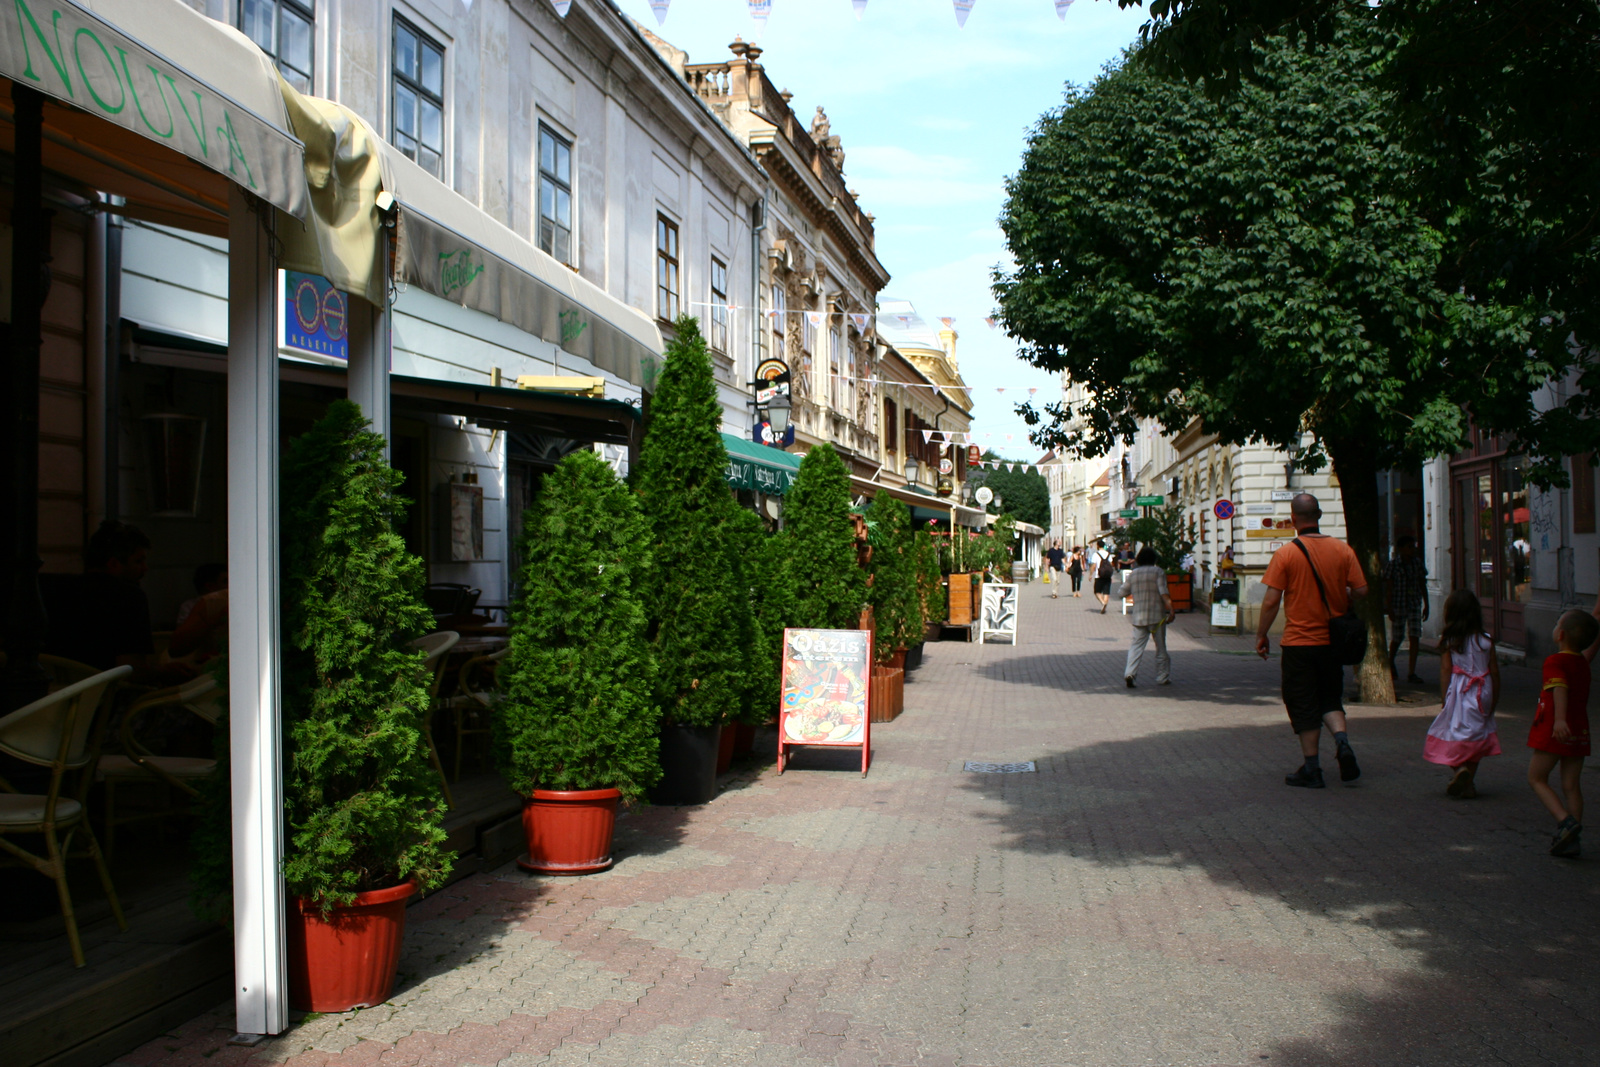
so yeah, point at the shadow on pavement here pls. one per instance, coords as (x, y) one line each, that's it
(1500, 947)
(1090, 670)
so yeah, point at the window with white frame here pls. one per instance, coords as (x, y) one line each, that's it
(719, 305)
(836, 357)
(808, 333)
(780, 320)
(284, 30)
(666, 269)
(418, 97)
(555, 194)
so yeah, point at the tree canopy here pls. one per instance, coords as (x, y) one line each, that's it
(1026, 494)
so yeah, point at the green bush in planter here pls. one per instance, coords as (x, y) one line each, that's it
(818, 540)
(579, 711)
(930, 590)
(699, 617)
(363, 805)
(761, 566)
(896, 611)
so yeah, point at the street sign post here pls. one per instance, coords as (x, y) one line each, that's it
(1223, 509)
(1129, 513)
(1150, 501)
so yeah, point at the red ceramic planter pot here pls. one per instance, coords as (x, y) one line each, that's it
(569, 830)
(725, 744)
(347, 960)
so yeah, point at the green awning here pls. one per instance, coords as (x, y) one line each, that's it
(752, 466)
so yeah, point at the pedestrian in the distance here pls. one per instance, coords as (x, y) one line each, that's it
(1058, 566)
(1104, 569)
(1075, 570)
(1469, 687)
(1146, 585)
(1405, 582)
(1560, 732)
(1313, 677)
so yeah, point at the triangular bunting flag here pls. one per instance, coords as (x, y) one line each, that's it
(760, 10)
(660, 8)
(1011, 467)
(1061, 8)
(963, 9)
(860, 6)
(772, 314)
(927, 435)
(814, 318)
(994, 464)
(999, 388)
(861, 322)
(1032, 391)
(904, 321)
(949, 323)
(992, 321)
(562, 7)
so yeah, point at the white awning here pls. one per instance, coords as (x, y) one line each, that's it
(197, 103)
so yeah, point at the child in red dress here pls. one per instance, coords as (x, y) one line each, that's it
(1560, 732)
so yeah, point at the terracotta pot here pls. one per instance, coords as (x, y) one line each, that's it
(569, 830)
(744, 739)
(897, 658)
(1180, 589)
(725, 748)
(347, 960)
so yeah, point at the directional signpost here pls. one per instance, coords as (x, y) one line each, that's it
(1150, 501)
(1129, 513)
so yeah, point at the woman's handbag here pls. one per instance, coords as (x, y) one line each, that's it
(1347, 633)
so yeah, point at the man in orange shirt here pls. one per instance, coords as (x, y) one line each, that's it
(1313, 678)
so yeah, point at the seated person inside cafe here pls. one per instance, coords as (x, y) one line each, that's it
(202, 631)
(102, 617)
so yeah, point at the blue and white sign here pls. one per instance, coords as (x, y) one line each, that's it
(316, 319)
(1224, 509)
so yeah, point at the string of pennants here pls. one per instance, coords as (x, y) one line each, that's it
(816, 318)
(761, 10)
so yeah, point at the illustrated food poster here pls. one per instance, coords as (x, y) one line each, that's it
(825, 679)
(999, 611)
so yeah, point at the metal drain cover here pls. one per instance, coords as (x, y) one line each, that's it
(977, 767)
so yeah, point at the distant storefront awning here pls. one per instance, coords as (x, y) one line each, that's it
(164, 107)
(759, 467)
(578, 418)
(448, 246)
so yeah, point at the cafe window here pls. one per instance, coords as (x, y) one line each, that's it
(666, 269)
(1583, 493)
(555, 194)
(419, 97)
(284, 30)
(719, 305)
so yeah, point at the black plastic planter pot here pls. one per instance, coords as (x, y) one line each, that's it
(913, 657)
(688, 765)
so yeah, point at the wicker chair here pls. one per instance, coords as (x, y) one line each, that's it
(472, 707)
(437, 647)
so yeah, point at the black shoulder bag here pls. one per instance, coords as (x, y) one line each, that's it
(1347, 633)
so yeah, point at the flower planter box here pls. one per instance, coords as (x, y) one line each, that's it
(960, 599)
(886, 694)
(348, 959)
(897, 658)
(1180, 587)
(933, 631)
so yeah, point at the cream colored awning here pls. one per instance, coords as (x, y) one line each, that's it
(447, 246)
(153, 102)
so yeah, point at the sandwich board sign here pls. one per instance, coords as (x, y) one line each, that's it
(999, 611)
(826, 677)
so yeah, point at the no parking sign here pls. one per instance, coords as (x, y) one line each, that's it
(1224, 509)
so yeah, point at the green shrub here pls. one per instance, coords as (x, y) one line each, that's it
(827, 585)
(363, 805)
(930, 590)
(896, 609)
(579, 711)
(699, 617)
(761, 564)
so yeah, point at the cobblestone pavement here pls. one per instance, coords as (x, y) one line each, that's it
(1152, 894)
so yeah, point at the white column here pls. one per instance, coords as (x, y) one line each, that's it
(255, 729)
(368, 380)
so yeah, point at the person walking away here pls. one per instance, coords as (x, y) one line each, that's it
(1058, 560)
(1312, 676)
(1469, 688)
(1075, 570)
(1405, 581)
(1560, 732)
(1104, 569)
(1146, 584)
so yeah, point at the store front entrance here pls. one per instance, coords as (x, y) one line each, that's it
(1489, 528)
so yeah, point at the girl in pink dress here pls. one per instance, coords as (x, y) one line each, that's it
(1469, 683)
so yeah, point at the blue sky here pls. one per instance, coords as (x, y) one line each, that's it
(933, 119)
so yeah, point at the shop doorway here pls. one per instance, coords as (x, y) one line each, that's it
(1489, 527)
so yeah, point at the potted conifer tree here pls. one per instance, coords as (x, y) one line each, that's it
(818, 546)
(896, 612)
(362, 804)
(577, 731)
(700, 619)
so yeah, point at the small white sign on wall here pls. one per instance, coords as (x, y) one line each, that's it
(1259, 509)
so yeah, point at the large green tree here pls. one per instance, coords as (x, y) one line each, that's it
(1025, 494)
(818, 545)
(699, 616)
(1249, 261)
(1497, 103)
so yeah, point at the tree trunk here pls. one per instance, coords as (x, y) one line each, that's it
(1355, 464)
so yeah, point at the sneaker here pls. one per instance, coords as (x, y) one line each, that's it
(1458, 782)
(1567, 843)
(1130, 683)
(1349, 769)
(1306, 778)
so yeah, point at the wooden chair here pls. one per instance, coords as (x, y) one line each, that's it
(437, 647)
(472, 707)
(137, 764)
(56, 732)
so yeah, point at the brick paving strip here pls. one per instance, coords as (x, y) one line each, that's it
(1150, 894)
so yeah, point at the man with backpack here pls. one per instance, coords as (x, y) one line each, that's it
(1321, 577)
(1103, 567)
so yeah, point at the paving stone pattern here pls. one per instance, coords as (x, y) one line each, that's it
(1150, 894)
